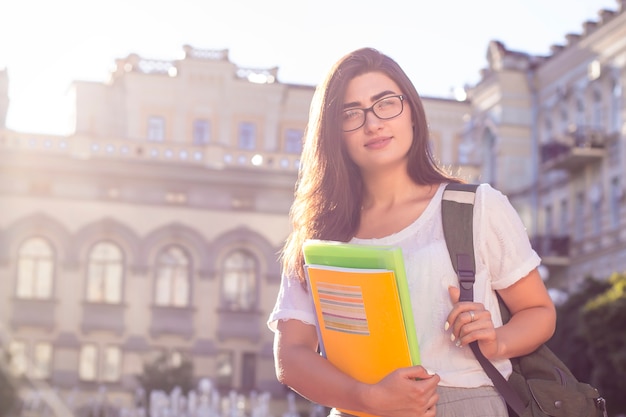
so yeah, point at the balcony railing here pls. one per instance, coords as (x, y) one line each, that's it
(577, 147)
(212, 156)
(553, 249)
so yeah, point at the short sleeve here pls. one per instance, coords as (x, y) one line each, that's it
(292, 302)
(502, 238)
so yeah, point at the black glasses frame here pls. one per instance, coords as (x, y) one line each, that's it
(371, 108)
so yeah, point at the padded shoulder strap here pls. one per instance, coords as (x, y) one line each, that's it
(457, 212)
(457, 208)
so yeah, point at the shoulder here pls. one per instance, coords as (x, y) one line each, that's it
(487, 194)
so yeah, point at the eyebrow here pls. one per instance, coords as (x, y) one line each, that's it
(375, 97)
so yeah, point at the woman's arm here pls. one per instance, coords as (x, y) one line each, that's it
(533, 320)
(300, 367)
(533, 316)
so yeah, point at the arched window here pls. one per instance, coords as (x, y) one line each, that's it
(172, 277)
(104, 273)
(35, 269)
(239, 281)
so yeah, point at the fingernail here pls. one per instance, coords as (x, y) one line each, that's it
(458, 343)
(429, 372)
(446, 326)
(452, 337)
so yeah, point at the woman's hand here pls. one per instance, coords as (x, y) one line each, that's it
(404, 392)
(469, 322)
(533, 319)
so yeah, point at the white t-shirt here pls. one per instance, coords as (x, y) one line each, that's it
(503, 256)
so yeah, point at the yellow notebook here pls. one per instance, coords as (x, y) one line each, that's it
(365, 322)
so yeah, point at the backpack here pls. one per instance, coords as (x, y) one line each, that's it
(541, 385)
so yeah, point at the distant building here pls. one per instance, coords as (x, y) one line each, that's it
(550, 132)
(156, 225)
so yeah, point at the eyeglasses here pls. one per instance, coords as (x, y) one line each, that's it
(385, 108)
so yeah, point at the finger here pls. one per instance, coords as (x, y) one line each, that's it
(419, 372)
(455, 294)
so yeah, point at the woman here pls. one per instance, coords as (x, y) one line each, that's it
(368, 176)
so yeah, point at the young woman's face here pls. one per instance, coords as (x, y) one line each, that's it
(386, 133)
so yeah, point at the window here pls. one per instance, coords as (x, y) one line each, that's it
(106, 368)
(597, 109)
(597, 216)
(17, 354)
(579, 215)
(616, 108)
(239, 281)
(224, 371)
(564, 117)
(489, 157)
(172, 277)
(156, 129)
(580, 112)
(616, 196)
(247, 135)
(35, 269)
(104, 274)
(548, 213)
(201, 132)
(563, 228)
(42, 360)
(111, 364)
(547, 128)
(293, 141)
(88, 365)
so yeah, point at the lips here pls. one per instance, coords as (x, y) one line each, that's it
(377, 142)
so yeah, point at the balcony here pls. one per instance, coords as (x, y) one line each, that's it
(246, 324)
(168, 320)
(553, 249)
(576, 148)
(103, 316)
(39, 313)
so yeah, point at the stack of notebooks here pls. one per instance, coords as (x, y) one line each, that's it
(364, 318)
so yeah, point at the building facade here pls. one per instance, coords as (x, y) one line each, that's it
(549, 131)
(156, 225)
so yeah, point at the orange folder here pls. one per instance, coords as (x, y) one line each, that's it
(363, 328)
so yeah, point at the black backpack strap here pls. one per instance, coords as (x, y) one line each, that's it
(457, 212)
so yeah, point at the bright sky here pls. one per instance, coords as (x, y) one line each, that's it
(441, 44)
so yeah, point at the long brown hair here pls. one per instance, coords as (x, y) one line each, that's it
(329, 189)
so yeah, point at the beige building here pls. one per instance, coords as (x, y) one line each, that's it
(155, 226)
(550, 132)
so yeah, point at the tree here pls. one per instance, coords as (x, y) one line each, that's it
(568, 342)
(603, 325)
(165, 374)
(590, 337)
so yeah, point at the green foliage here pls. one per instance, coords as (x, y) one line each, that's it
(603, 324)
(164, 375)
(590, 337)
(568, 342)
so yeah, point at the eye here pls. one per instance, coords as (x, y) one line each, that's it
(351, 114)
(386, 102)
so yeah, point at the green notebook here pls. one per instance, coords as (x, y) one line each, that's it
(350, 255)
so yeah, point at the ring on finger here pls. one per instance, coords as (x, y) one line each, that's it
(472, 316)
